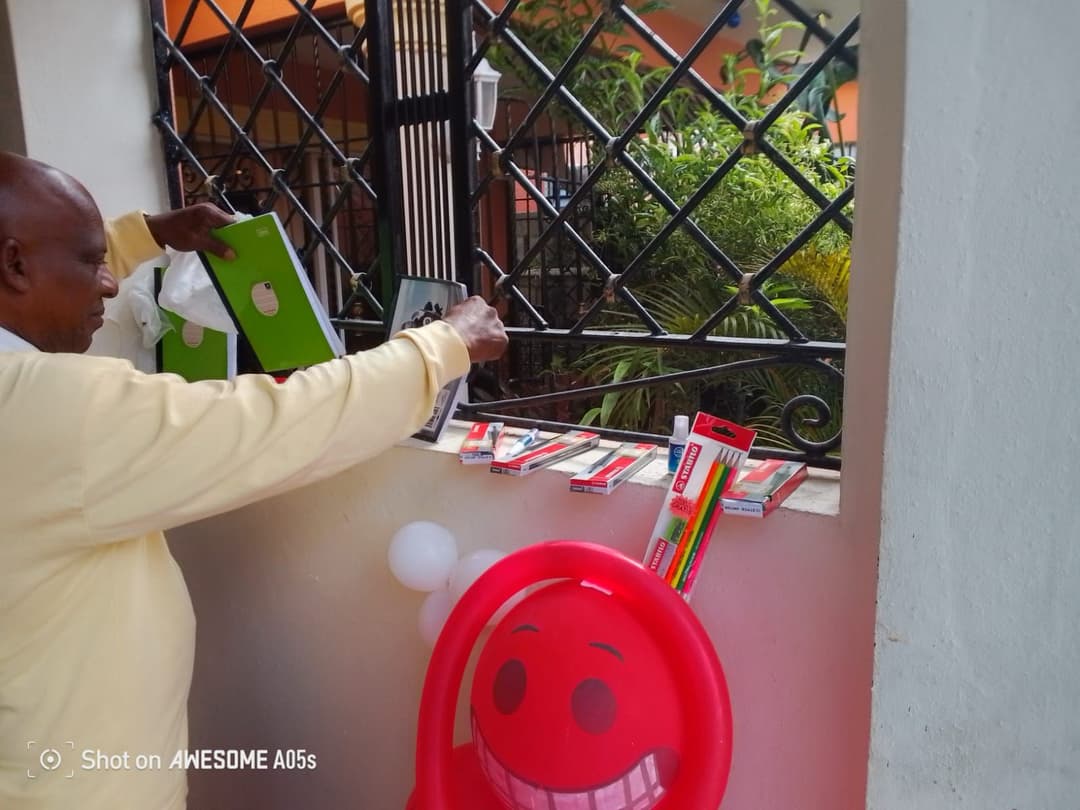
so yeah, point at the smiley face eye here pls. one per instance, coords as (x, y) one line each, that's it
(509, 688)
(594, 706)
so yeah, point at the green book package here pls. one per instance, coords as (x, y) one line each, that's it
(269, 296)
(195, 352)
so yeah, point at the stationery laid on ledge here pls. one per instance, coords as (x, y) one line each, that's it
(613, 468)
(479, 445)
(418, 302)
(529, 453)
(269, 296)
(715, 452)
(759, 490)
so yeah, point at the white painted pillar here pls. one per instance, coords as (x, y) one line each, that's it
(86, 88)
(973, 197)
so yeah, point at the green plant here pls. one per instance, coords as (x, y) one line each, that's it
(606, 77)
(751, 214)
(825, 276)
(751, 88)
(682, 307)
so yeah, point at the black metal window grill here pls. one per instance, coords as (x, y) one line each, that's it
(278, 120)
(665, 228)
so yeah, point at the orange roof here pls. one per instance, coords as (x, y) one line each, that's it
(205, 25)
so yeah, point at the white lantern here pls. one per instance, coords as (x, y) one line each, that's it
(485, 93)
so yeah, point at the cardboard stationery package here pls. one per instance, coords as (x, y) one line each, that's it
(762, 488)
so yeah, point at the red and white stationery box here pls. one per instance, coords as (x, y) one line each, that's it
(479, 444)
(613, 468)
(760, 489)
(546, 453)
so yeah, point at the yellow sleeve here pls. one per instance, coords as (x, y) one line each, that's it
(129, 244)
(158, 452)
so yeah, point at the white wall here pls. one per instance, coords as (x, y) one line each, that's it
(86, 88)
(306, 641)
(977, 678)
(87, 91)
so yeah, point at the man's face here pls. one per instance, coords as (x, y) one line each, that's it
(66, 264)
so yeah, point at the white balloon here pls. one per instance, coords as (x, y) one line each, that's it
(469, 569)
(422, 555)
(433, 613)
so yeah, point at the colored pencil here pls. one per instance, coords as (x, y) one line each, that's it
(702, 540)
(699, 555)
(708, 493)
(665, 544)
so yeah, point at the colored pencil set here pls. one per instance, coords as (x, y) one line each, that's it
(715, 452)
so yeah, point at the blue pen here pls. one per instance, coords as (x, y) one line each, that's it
(522, 443)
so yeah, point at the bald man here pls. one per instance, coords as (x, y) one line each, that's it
(96, 626)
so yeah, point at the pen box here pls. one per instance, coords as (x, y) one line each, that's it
(761, 489)
(479, 444)
(613, 468)
(546, 453)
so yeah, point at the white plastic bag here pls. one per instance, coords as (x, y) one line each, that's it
(135, 310)
(188, 291)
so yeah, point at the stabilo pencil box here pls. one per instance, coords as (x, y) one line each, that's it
(715, 452)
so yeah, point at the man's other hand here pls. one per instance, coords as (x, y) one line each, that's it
(189, 229)
(480, 327)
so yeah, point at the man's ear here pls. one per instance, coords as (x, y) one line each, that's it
(13, 273)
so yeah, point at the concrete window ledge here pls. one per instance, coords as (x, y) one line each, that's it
(819, 494)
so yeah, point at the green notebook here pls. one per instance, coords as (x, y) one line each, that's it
(196, 352)
(193, 351)
(270, 298)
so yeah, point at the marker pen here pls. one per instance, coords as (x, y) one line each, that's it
(522, 443)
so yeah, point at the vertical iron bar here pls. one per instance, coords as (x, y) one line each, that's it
(462, 149)
(420, 121)
(166, 112)
(409, 137)
(439, 159)
(386, 169)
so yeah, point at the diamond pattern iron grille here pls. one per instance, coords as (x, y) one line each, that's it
(666, 227)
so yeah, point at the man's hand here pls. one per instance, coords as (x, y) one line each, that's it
(189, 229)
(480, 328)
